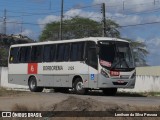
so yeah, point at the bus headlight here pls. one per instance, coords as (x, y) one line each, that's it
(133, 75)
(104, 73)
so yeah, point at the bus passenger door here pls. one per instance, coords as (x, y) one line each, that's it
(92, 61)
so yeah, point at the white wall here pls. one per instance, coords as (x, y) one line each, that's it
(145, 84)
(4, 79)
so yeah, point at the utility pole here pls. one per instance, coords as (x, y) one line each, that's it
(123, 5)
(61, 22)
(4, 21)
(22, 26)
(103, 20)
(50, 5)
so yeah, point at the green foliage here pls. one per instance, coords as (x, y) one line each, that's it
(79, 27)
(3, 56)
(112, 29)
(140, 52)
(5, 42)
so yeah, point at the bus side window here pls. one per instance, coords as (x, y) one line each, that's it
(60, 52)
(91, 55)
(36, 54)
(77, 51)
(66, 52)
(24, 54)
(14, 55)
(49, 53)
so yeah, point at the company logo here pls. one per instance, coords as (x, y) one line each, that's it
(32, 68)
(6, 114)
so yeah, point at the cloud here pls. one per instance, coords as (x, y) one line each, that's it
(48, 19)
(68, 15)
(153, 47)
(79, 12)
(128, 20)
(26, 32)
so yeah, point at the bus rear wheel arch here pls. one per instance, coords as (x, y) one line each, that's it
(32, 83)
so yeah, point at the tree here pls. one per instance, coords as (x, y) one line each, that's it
(139, 52)
(5, 42)
(3, 56)
(79, 27)
(112, 29)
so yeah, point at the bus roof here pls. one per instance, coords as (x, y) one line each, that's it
(95, 39)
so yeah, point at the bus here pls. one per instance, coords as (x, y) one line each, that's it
(94, 63)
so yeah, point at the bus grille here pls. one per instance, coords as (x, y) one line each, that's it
(116, 83)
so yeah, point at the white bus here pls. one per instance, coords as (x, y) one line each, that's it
(80, 64)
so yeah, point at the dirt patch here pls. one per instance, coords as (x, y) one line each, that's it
(95, 110)
(5, 92)
(75, 104)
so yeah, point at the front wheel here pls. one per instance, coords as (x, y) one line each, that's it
(79, 87)
(33, 85)
(110, 91)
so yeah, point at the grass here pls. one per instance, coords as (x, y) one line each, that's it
(5, 92)
(138, 94)
(151, 93)
(130, 94)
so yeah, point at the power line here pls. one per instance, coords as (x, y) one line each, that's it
(133, 25)
(140, 24)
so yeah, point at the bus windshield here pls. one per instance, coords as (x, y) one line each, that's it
(115, 55)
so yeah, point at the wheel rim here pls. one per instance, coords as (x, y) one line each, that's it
(33, 84)
(79, 86)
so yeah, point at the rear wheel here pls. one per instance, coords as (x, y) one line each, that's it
(33, 85)
(79, 87)
(110, 91)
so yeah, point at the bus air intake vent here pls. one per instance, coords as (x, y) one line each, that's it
(117, 83)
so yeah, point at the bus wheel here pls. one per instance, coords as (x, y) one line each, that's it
(78, 87)
(33, 85)
(110, 91)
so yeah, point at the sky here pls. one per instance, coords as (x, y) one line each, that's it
(140, 19)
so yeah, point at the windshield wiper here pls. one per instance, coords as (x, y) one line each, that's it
(120, 61)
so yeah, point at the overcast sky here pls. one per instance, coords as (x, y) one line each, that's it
(34, 14)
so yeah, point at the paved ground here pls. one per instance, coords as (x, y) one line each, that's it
(43, 100)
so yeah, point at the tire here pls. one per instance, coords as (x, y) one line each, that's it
(78, 87)
(110, 91)
(33, 85)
